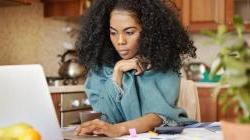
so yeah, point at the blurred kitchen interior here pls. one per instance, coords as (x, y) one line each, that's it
(27, 36)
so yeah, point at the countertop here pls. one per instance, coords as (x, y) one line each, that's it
(80, 88)
(65, 89)
(208, 85)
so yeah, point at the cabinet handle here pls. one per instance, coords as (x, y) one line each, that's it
(75, 103)
(85, 102)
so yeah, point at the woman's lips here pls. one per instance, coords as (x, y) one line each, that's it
(123, 52)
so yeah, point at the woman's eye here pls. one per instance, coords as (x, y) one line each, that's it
(113, 33)
(129, 33)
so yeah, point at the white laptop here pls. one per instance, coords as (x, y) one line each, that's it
(25, 97)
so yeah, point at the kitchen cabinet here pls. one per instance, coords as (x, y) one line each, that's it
(242, 8)
(200, 14)
(68, 102)
(14, 2)
(56, 98)
(208, 105)
(210, 108)
(63, 8)
(23, 1)
(196, 15)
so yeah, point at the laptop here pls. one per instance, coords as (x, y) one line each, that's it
(25, 97)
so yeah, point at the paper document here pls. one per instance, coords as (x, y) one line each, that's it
(187, 134)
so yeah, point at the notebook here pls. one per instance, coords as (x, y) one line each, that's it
(211, 126)
(25, 97)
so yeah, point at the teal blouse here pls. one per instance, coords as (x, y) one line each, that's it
(150, 92)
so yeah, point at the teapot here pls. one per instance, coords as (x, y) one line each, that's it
(70, 68)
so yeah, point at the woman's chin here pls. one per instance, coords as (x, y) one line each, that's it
(125, 57)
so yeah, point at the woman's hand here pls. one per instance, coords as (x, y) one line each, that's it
(100, 127)
(137, 63)
(129, 64)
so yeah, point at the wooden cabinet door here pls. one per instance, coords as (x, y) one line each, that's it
(242, 8)
(56, 98)
(58, 8)
(14, 2)
(204, 14)
(178, 8)
(201, 14)
(22, 1)
(208, 105)
(175, 5)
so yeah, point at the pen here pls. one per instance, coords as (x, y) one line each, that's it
(155, 138)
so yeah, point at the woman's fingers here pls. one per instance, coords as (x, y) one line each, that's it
(99, 132)
(84, 128)
(99, 127)
(80, 131)
(138, 70)
(102, 128)
(87, 130)
(137, 63)
(105, 130)
(138, 67)
(149, 66)
(90, 127)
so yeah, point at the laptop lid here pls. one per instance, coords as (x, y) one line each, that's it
(25, 97)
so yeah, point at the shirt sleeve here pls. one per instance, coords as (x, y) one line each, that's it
(104, 96)
(166, 121)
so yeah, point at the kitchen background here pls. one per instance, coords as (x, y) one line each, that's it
(30, 33)
(27, 37)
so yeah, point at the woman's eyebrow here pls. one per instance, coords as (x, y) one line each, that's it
(132, 27)
(129, 28)
(112, 28)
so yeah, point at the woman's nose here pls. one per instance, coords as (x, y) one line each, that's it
(121, 40)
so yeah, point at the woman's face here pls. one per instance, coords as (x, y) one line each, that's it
(124, 33)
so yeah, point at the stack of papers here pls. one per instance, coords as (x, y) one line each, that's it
(199, 131)
(211, 126)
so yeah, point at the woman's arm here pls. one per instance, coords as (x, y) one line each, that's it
(141, 124)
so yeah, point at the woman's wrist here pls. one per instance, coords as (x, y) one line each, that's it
(122, 130)
(117, 75)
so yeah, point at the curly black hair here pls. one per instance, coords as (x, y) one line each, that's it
(163, 40)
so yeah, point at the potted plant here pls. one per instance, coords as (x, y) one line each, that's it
(234, 59)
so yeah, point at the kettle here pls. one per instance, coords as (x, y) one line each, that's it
(196, 71)
(70, 68)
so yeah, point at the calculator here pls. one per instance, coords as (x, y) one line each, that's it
(169, 129)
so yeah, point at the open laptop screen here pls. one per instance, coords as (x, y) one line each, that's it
(25, 97)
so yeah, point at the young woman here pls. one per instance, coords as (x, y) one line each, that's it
(134, 51)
